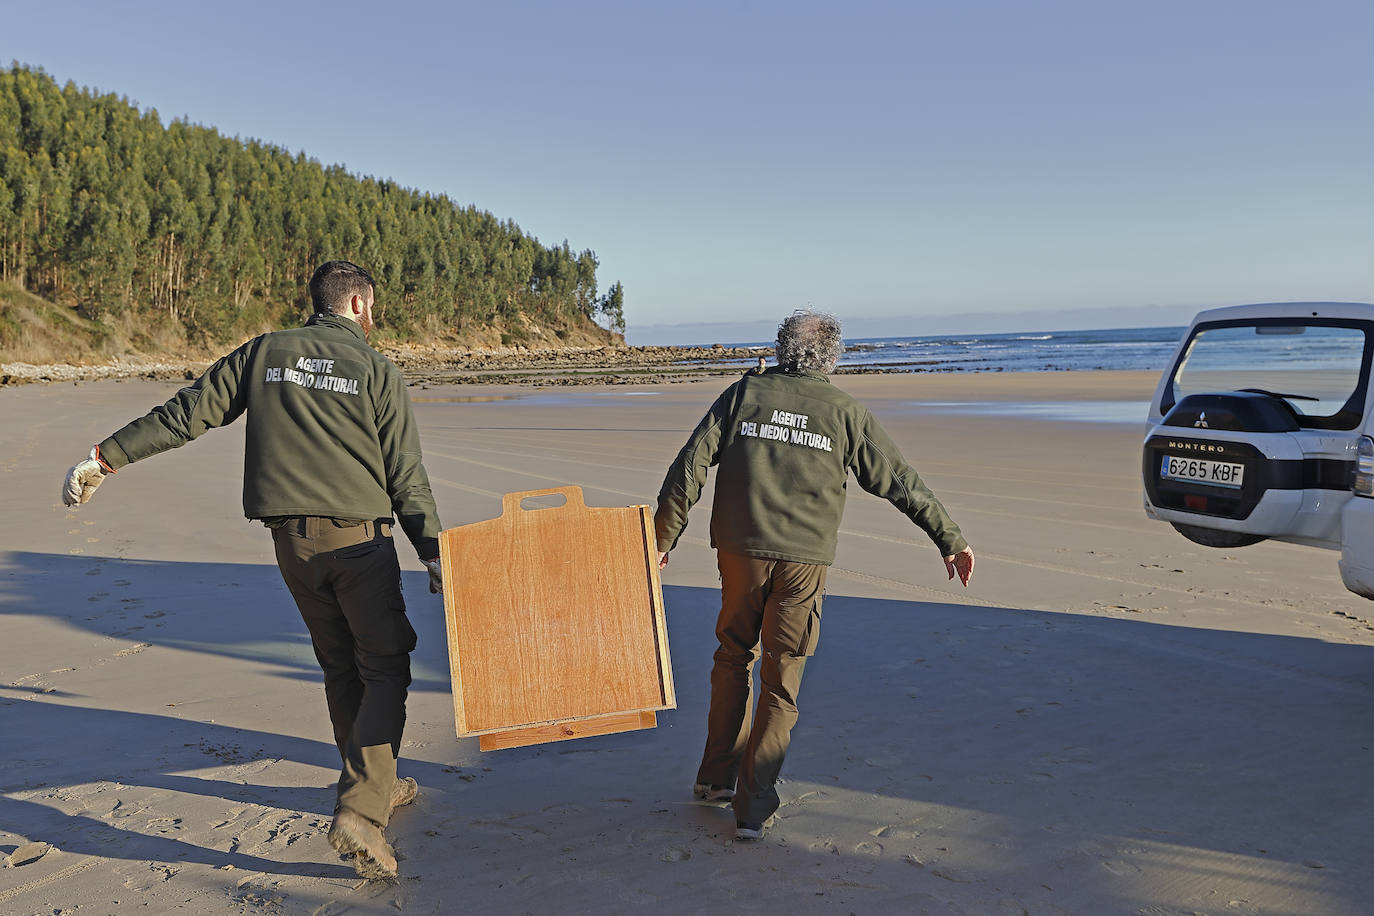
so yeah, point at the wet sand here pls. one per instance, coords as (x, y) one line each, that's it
(1109, 720)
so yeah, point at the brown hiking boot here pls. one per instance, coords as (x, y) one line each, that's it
(403, 791)
(353, 834)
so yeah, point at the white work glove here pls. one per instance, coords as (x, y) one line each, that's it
(82, 479)
(436, 576)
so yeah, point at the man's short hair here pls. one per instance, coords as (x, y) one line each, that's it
(335, 283)
(809, 341)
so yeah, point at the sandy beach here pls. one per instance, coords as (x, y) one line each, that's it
(1109, 720)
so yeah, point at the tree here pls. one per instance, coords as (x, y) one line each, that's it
(612, 305)
(104, 207)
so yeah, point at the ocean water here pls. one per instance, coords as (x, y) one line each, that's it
(1133, 413)
(1119, 348)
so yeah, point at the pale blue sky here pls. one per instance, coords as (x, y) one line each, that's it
(940, 166)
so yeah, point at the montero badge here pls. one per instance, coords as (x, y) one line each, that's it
(1186, 445)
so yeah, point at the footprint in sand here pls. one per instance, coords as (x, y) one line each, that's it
(1120, 867)
(565, 809)
(119, 810)
(649, 837)
(286, 831)
(950, 873)
(807, 798)
(1079, 758)
(150, 877)
(234, 814)
(262, 898)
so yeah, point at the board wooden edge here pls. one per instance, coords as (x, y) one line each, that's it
(448, 564)
(566, 731)
(665, 661)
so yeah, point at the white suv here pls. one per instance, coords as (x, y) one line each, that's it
(1261, 428)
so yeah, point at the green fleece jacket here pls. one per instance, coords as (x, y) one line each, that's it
(785, 443)
(330, 429)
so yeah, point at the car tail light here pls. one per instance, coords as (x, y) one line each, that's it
(1363, 483)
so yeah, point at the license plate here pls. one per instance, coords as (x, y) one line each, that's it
(1200, 470)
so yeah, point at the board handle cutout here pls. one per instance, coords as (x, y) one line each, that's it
(511, 503)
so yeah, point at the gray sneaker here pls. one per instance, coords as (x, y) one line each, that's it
(713, 793)
(747, 831)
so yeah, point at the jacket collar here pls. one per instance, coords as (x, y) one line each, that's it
(795, 373)
(324, 319)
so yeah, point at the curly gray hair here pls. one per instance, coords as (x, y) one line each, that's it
(809, 340)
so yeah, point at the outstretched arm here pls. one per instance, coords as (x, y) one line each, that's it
(687, 475)
(879, 467)
(216, 399)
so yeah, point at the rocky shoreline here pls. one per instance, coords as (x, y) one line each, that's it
(433, 365)
(538, 367)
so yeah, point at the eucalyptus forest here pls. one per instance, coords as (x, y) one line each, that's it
(135, 223)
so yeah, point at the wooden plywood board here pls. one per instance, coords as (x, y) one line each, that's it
(555, 616)
(563, 731)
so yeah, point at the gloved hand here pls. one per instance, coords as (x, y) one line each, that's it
(960, 564)
(83, 478)
(436, 576)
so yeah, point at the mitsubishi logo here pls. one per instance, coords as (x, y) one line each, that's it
(1201, 420)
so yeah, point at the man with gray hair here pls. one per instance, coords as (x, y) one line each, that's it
(785, 440)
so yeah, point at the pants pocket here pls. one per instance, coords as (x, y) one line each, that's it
(358, 551)
(405, 633)
(813, 630)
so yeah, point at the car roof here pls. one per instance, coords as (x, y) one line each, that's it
(1289, 310)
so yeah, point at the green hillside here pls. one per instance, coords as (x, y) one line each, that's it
(128, 233)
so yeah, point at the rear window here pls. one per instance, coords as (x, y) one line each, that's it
(1319, 368)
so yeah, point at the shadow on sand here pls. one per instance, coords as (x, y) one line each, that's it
(1017, 733)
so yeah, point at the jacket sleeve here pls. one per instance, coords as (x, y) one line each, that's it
(881, 470)
(687, 475)
(216, 399)
(407, 484)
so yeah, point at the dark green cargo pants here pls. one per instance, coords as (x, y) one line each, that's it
(771, 607)
(346, 580)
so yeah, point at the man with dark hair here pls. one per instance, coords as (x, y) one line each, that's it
(335, 283)
(784, 440)
(332, 454)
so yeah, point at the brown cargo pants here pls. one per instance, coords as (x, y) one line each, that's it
(773, 607)
(346, 580)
